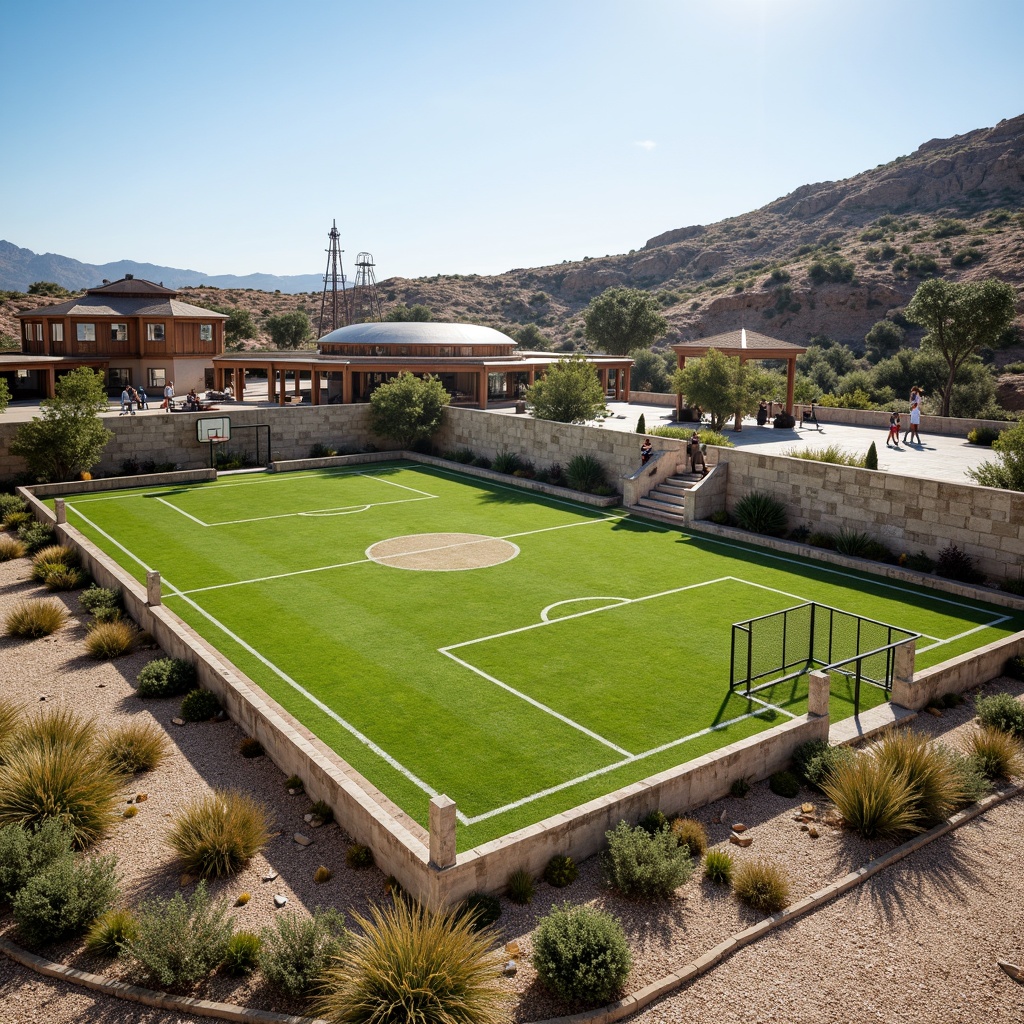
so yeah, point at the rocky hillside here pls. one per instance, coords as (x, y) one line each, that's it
(830, 258)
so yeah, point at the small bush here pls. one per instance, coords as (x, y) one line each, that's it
(480, 908)
(35, 535)
(831, 454)
(930, 776)
(561, 871)
(784, 784)
(99, 597)
(296, 951)
(505, 462)
(218, 834)
(653, 822)
(997, 754)
(322, 875)
(825, 763)
(720, 517)
(1001, 711)
(293, 782)
(322, 810)
(33, 619)
(11, 503)
(111, 932)
(952, 700)
(852, 542)
(359, 857)
(955, 564)
(180, 941)
(983, 436)
(762, 885)
(136, 747)
(873, 801)
(250, 748)
(243, 949)
(739, 788)
(1014, 668)
(166, 677)
(130, 812)
(108, 640)
(821, 539)
(718, 867)
(973, 782)
(644, 865)
(871, 457)
(585, 473)
(919, 562)
(760, 512)
(581, 954)
(17, 518)
(690, 833)
(482, 462)
(25, 852)
(11, 548)
(1008, 586)
(520, 887)
(199, 706)
(321, 451)
(64, 898)
(62, 578)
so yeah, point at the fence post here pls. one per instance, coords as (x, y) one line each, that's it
(818, 690)
(903, 676)
(152, 589)
(60, 511)
(442, 831)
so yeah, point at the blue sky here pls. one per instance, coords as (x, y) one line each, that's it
(462, 137)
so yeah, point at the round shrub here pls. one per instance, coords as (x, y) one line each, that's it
(521, 887)
(218, 834)
(718, 866)
(784, 784)
(199, 706)
(296, 951)
(762, 885)
(242, 953)
(581, 954)
(644, 865)
(108, 640)
(111, 932)
(760, 512)
(654, 821)
(11, 503)
(690, 833)
(95, 598)
(134, 747)
(480, 908)
(1001, 711)
(33, 619)
(561, 871)
(359, 857)
(166, 677)
(250, 748)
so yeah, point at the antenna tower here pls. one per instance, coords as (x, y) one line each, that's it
(365, 300)
(338, 313)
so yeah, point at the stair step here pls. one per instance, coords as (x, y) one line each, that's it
(669, 508)
(670, 488)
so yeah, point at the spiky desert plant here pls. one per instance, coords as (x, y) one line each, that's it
(520, 886)
(242, 953)
(762, 885)
(35, 618)
(219, 833)
(930, 774)
(998, 754)
(718, 866)
(51, 555)
(137, 746)
(873, 801)
(411, 964)
(64, 577)
(761, 512)
(11, 547)
(108, 640)
(111, 932)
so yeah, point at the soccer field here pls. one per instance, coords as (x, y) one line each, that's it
(519, 653)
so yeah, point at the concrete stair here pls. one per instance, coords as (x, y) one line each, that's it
(668, 500)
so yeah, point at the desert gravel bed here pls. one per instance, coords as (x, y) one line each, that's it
(911, 945)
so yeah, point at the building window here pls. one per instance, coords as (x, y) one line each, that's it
(446, 350)
(118, 332)
(206, 332)
(119, 378)
(154, 332)
(33, 332)
(56, 332)
(86, 332)
(157, 377)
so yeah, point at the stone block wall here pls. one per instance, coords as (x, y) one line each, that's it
(948, 426)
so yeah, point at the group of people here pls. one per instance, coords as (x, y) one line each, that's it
(694, 452)
(896, 423)
(132, 400)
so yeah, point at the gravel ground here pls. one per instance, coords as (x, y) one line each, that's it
(892, 950)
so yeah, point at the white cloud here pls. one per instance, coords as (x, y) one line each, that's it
(646, 144)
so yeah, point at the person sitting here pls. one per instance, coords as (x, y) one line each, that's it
(762, 413)
(192, 401)
(645, 451)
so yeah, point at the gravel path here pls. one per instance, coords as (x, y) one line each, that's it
(912, 945)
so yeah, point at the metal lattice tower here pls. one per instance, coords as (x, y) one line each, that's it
(365, 300)
(337, 313)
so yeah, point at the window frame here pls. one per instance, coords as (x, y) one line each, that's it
(157, 376)
(151, 330)
(82, 332)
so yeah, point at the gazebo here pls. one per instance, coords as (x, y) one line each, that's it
(747, 345)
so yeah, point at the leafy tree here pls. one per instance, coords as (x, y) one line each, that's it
(289, 330)
(407, 408)
(240, 326)
(409, 314)
(715, 383)
(1008, 471)
(68, 438)
(899, 373)
(571, 392)
(622, 319)
(961, 318)
(974, 393)
(530, 337)
(648, 373)
(883, 340)
(5, 395)
(50, 288)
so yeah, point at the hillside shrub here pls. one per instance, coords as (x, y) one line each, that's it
(166, 677)
(585, 473)
(296, 951)
(690, 833)
(581, 954)
(138, 746)
(33, 619)
(997, 754)
(718, 867)
(760, 512)
(199, 706)
(218, 834)
(955, 564)
(26, 851)
(560, 871)
(643, 865)
(1001, 711)
(111, 932)
(762, 885)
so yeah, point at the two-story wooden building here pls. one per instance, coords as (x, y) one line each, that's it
(132, 331)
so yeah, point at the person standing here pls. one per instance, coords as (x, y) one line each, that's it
(126, 402)
(894, 431)
(168, 395)
(143, 398)
(915, 415)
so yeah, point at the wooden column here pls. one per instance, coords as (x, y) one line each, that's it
(602, 376)
(314, 386)
(239, 383)
(282, 391)
(271, 383)
(346, 386)
(625, 388)
(481, 388)
(218, 378)
(298, 381)
(790, 382)
(49, 380)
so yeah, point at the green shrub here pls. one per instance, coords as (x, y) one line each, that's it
(641, 424)
(111, 932)
(647, 866)
(218, 834)
(1001, 711)
(739, 788)
(955, 564)
(108, 640)
(359, 857)
(821, 539)
(718, 867)
(581, 954)
(971, 777)
(481, 908)
(833, 454)
(852, 542)
(199, 706)
(560, 871)
(45, 560)
(16, 519)
(784, 784)
(505, 462)
(11, 503)
(929, 774)
(585, 473)
(179, 941)
(25, 852)
(322, 810)
(35, 535)
(482, 462)
(321, 451)
(35, 618)
(410, 964)
(250, 748)
(762, 885)
(824, 764)
(520, 886)
(997, 754)
(296, 950)
(11, 548)
(166, 677)
(62, 578)
(690, 833)
(654, 821)
(720, 517)
(293, 782)
(243, 949)
(873, 801)
(134, 747)
(1008, 586)
(64, 898)
(919, 562)
(706, 434)
(983, 436)
(1014, 668)
(100, 597)
(871, 458)
(760, 513)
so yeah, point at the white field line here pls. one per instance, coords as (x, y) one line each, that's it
(999, 620)
(545, 613)
(337, 510)
(279, 576)
(187, 515)
(298, 687)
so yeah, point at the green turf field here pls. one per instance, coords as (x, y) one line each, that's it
(594, 655)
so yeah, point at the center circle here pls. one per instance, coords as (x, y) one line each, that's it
(441, 552)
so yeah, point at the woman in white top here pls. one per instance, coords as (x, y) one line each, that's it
(915, 415)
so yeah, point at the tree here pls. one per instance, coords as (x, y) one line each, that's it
(288, 330)
(883, 340)
(68, 438)
(648, 373)
(5, 395)
(961, 318)
(408, 409)
(570, 392)
(622, 319)
(50, 288)
(1008, 472)
(723, 386)
(240, 326)
(409, 314)
(530, 337)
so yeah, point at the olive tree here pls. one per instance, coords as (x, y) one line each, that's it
(570, 392)
(622, 319)
(723, 386)
(289, 330)
(408, 409)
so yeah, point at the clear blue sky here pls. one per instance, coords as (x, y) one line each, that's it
(462, 136)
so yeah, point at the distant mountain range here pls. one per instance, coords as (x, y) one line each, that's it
(21, 267)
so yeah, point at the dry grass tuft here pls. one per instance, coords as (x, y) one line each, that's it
(762, 885)
(10, 548)
(137, 746)
(108, 640)
(218, 834)
(998, 754)
(873, 801)
(36, 618)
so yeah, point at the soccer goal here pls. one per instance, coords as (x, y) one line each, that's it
(784, 645)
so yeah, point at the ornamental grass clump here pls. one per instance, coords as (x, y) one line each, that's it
(932, 778)
(10, 548)
(520, 887)
(111, 932)
(718, 867)
(762, 885)
(33, 619)
(12, 714)
(46, 559)
(408, 963)
(135, 747)
(585, 473)
(643, 865)
(690, 833)
(296, 951)
(218, 834)
(63, 578)
(873, 801)
(760, 512)
(581, 954)
(997, 754)
(108, 640)
(242, 954)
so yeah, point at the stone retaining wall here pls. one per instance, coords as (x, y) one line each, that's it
(948, 426)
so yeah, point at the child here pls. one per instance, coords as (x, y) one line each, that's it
(894, 431)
